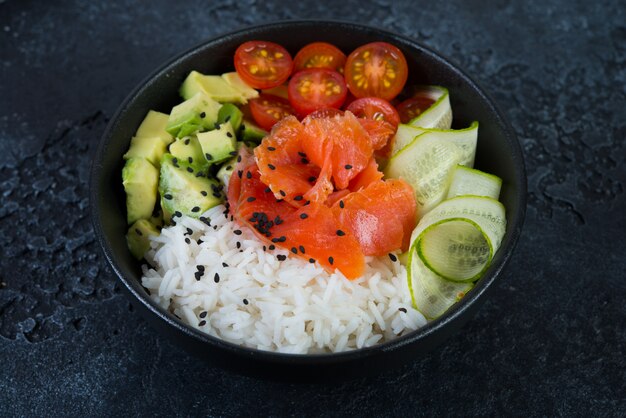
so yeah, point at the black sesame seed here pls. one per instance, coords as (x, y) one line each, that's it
(272, 167)
(282, 193)
(187, 240)
(204, 193)
(205, 220)
(307, 203)
(203, 314)
(251, 199)
(271, 148)
(239, 158)
(190, 159)
(294, 250)
(264, 248)
(312, 179)
(298, 198)
(200, 174)
(238, 245)
(228, 134)
(199, 241)
(229, 167)
(216, 278)
(189, 169)
(304, 161)
(177, 213)
(237, 232)
(311, 260)
(341, 204)
(267, 190)
(189, 231)
(301, 249)
(198, 275)
(233, 153)
(303, 216)
(174, 160)
(203, 115)
(248, 175)
(138, 231)
(227, 118)
(275, 240)
(240, 173)
(393, 257)
(200, 267)
(331, 260)
(202, 323)
(224, 264)
(245, 301)
(167, 196)
(340, 233)
(348, 166)
(272, 247)
(281, 257)
(195, 209)
(208, 156)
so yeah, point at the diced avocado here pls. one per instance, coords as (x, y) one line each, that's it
(230, 113)
(250, 132)
(219, 144)
(140, 179)
(245, 90)
(138, 237)
(214, 86)
(185, 192)
(188, 150)
(225, 171)
(151, 148)
(196, 114)
(153, 125)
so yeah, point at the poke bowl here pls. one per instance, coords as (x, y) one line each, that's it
(496, 151)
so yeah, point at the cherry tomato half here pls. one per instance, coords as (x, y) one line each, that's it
(262, 64)
(315, 89)
(376, 109)
(413, 107)
(379, 118)
(319, 55)
(376, 69)
(267, 110)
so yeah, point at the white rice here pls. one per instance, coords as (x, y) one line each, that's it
(293, 306)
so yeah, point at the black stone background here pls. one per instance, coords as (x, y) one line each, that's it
(549, 342)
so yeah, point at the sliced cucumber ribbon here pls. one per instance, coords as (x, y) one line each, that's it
(439, 114)
(428, 161)
(468, 181)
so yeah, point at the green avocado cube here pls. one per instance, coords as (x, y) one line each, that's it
(199, 113)
(237, 83)
(188, 150)
(151, 148)
(230, 113)
(138, 237)
(185, 191)
(250, 132)
(219, 144)
(213, 86)
(153, 125)
(140, 179)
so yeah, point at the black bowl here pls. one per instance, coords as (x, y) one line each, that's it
(498, 153)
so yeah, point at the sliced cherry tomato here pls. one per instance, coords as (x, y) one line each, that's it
(319, 55)
(268, 109)
(376, 109)
(315, 89)
(379, 118)
(413, 107)
(263, 64)
(376, 69)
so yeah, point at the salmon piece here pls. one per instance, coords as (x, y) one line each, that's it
(381, 216)
(339, 144)
(285, 167)
(379, 131)
(311, 227)
(369, 175)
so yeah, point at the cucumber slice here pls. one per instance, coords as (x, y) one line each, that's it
(427, 163)
(457, 239)
(465, 138)
(439, 115)
(469, 181)
(432, 295)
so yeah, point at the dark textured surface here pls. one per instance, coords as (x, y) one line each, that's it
(550, 341)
